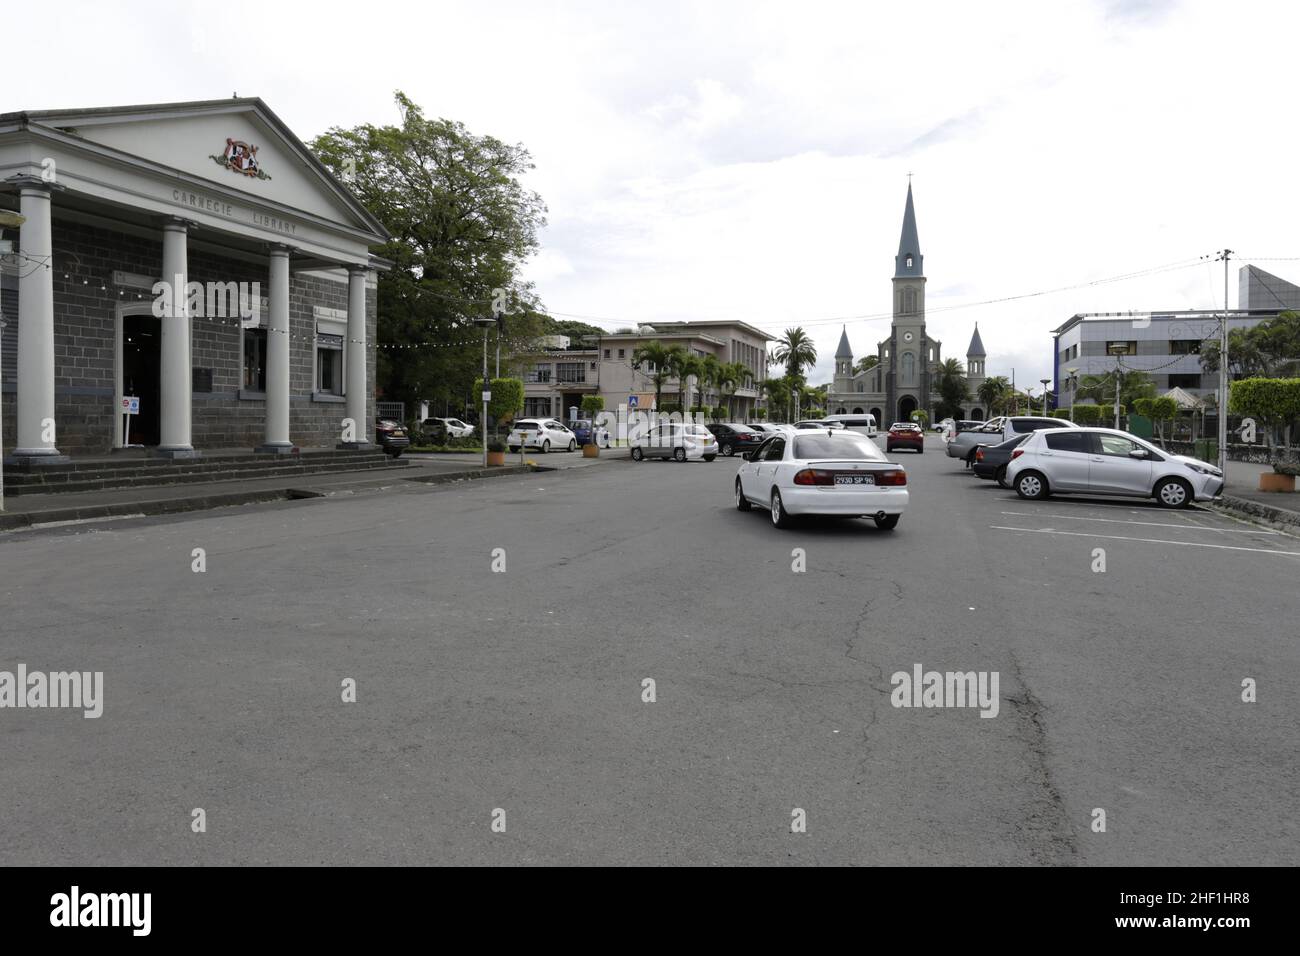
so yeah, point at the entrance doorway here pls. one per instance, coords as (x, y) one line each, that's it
(141, 361)
(906, 405)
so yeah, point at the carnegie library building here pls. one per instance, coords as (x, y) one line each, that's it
(191, 261)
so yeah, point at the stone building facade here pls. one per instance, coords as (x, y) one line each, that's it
(276, 350)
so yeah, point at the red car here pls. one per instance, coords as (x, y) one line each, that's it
(905, 435)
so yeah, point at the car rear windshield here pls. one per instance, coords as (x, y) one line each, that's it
(524, 426)
(850, 446)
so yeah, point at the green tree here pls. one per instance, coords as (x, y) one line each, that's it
(461, 225)
(778, 397)
(865, 364)
(795, 350)
(686, 365)
(506, 402)
(661, 359)
(1270, 349)
(953, 388)
(592, 405)
(1272, 402)
(992, 393)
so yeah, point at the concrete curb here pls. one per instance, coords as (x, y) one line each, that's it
(497, 472)
(1244, 507)
(12, 521)
(31, 519)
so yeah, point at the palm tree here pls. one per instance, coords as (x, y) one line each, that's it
(952, 386)
(736, 375)
(795, 350)
(661, 359)
(992, 391)
(710, 369)
(778, 393)
(686, 365)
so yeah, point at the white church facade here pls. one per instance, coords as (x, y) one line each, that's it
(906, 375)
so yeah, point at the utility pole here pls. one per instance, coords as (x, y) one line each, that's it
(1223, 375)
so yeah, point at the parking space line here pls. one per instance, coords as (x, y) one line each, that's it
(1120, 537)
(1153, 524)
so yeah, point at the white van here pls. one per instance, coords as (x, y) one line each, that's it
(862, 424)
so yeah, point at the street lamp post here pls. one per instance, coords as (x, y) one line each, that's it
(485, 324)
(1117, 349)
(1074, 388)
(1046, 382)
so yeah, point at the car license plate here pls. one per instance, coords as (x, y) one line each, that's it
(855, 479)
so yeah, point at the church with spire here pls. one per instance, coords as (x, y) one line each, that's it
(905, 377)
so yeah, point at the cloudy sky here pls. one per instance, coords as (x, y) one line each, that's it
(750, 160)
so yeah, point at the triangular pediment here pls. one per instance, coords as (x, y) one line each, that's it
(236, 144)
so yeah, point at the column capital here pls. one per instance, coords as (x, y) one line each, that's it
(280, 249)
(358, 270)
(178, 224)
(29, 184)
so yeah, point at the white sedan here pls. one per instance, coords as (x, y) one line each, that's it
(820, 472)
(458, 429)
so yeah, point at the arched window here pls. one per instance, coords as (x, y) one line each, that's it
(908, 370)
(909, 262)
(858, 410)
(909, 300)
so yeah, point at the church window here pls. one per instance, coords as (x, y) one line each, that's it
(909, 301)
(909, 368)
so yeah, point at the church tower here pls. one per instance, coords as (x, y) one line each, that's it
(908, 381)
(843, 364)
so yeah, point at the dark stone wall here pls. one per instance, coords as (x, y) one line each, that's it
(85, 304)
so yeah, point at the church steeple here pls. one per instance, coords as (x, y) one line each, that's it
(907, 263)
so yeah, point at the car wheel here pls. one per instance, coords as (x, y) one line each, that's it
(710, 457)
(888, 522)
(546, 446)
(742, 503)
(1173, 493)
(889, 449)
(779, 517)
(1000, 476)
(920, 451)
(679, 454)
(514, 449)
(637, 454)
(1031, 484)
(572, 444)
(395, 453)
(727, 451)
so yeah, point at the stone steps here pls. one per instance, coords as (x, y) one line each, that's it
(142, 473)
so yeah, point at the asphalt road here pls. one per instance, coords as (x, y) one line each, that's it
(522, 690)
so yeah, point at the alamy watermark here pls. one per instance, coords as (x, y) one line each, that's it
(210, 300)
(36, 689)
(947, 689)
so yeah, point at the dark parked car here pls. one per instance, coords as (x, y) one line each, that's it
(991, 460)
(582, 431)
(735, 439)
(905, 435)
(392, 437)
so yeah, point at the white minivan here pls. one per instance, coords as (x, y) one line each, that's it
(862, 424)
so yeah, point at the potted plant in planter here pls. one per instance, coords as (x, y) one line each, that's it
(592, 405)
(1274, 403)
(496, 452)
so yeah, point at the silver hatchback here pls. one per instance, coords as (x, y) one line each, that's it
(1103, 461)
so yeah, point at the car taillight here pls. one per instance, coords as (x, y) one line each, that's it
(1017, 453)
(891, 477)
(813, 476)
(979, 454)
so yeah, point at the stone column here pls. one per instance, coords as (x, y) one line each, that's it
(277, 358)
(354, 357)
(175, 377)
(36, 428)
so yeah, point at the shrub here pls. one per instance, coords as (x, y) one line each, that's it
(720, 413)
(496, 445)
(1064, 413)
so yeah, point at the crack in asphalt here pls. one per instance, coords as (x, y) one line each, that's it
(859, 771)
(1052, 840)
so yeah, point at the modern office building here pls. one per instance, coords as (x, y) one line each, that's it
(1165, 345)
